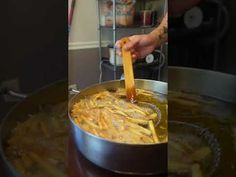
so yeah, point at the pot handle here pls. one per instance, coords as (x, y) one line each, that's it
(9, 92)
(73, 89)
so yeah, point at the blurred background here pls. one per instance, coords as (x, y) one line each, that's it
(201, 36)
(35, 48)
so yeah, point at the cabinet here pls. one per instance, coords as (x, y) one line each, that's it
(118, 23)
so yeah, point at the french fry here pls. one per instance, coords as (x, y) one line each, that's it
(178, 167)
(200, 154)
(144, 92)
(138, 121)
(139, 111)
(104, 123)
(147, 139)
(139, 128)
(135, 131)
(90, 104)
(97, 96)
(154, 134)
(90, 122)
(109, 109)
(176, 146)
(94, 131)
(136, 108)
(47, 167)
(196, 170)
(120, 113)
(44, 129)
(110, 124)
(101, 122)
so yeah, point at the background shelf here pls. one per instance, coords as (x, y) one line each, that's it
(113, 32)
(130, 27)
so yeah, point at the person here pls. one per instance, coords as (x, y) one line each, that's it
(144, 44)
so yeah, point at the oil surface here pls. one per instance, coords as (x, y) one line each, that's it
(217, 116)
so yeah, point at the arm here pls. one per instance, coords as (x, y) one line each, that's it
(161, 32)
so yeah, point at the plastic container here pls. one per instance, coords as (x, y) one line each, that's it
(125, 11)
(146, 18)
(112, 57)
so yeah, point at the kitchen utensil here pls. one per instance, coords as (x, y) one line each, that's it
(128, 72)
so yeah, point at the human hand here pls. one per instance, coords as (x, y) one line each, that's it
(142, 45)
(139, 45)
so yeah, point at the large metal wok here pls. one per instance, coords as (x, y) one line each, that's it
(119, 157)
(220, 90)
(203, 82)
(51, 94)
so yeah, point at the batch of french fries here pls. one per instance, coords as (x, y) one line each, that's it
(110, 116)
(188, 156)
(37, 146)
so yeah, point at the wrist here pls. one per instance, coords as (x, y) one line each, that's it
(160, 34)
(154, 35)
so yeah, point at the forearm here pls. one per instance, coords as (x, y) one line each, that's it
(161, 32)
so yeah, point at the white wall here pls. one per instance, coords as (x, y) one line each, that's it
(84, 23)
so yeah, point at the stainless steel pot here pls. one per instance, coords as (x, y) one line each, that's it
(139, 159)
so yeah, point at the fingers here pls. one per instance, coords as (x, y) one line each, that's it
(118, 45)
(135, 55)
(133, 41)
(118, 48)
